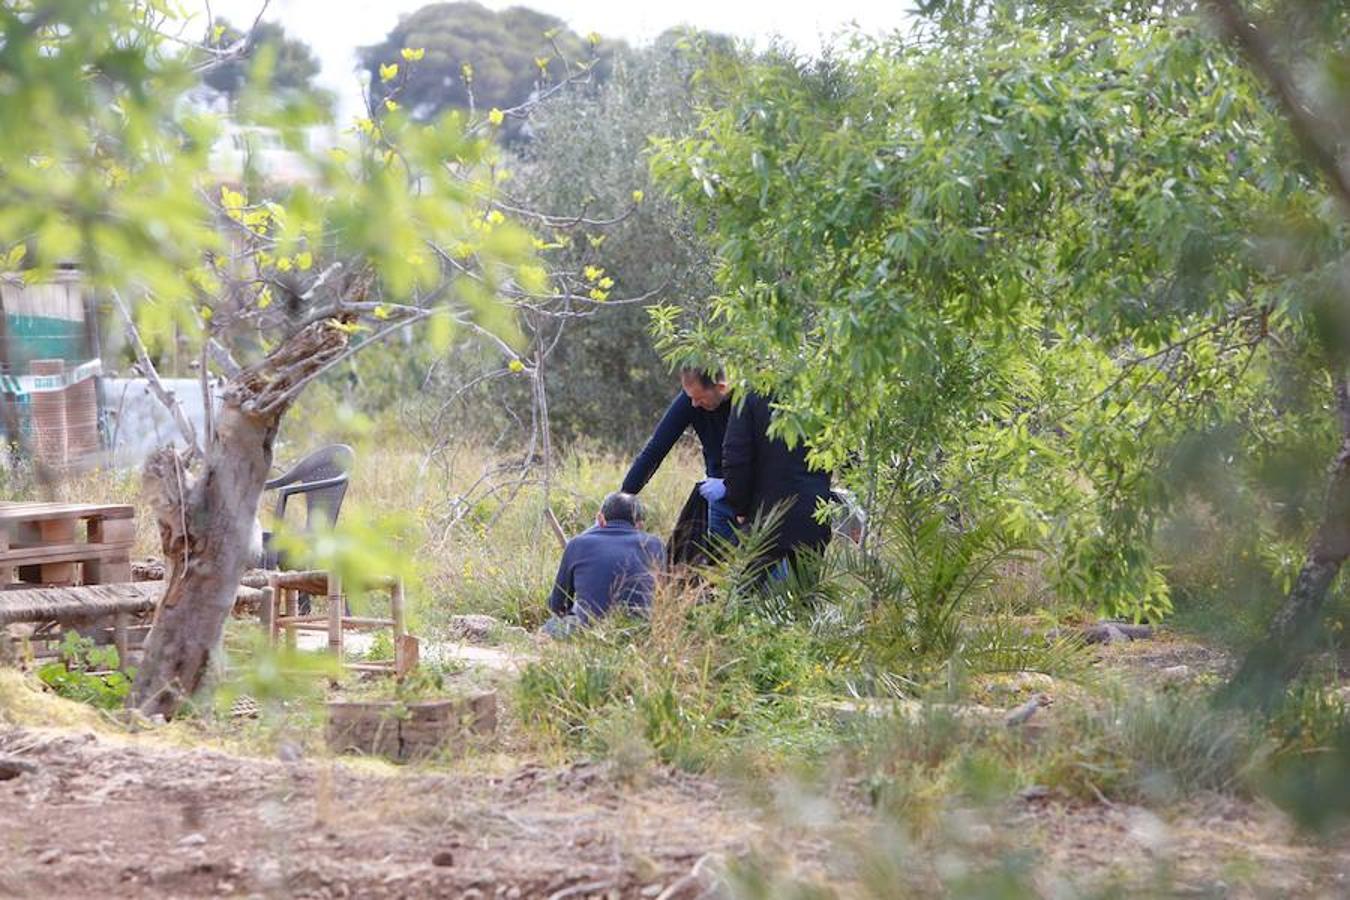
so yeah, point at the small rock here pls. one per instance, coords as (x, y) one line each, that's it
(473, 628)
(158, 721)
(50, 856)
(196, 839)
(979, 833)
(289, 751)
(225, 887)
(1175, 673)
(443, 858)
(1022, 714)
(653, 890)
(1033, 793)
(11, 768)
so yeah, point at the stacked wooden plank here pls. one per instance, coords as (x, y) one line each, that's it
(64, 544)
(67, 567)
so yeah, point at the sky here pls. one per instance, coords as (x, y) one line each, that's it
(335, 28)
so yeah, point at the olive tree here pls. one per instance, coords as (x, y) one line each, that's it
(277, 284)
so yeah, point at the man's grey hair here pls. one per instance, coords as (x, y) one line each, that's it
(621, 507)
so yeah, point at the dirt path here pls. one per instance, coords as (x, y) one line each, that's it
(112, 816)
(113, 820)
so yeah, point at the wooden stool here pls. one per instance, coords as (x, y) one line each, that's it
(280, 611)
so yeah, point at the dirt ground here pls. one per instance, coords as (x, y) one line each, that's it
(103, 819)
(108, 815)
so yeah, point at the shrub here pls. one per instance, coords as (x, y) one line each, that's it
(1156, 747)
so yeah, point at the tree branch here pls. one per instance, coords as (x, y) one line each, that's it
(1308, 127)
(157, 387)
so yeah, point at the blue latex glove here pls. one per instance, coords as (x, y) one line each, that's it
(713, 489)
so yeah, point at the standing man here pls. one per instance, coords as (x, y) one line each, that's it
(703, 402)
(761, 473)
(611, 565)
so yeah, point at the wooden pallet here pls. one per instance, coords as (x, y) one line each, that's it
(65, 544)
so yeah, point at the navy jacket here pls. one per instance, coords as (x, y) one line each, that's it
(604, 567)
(762, 472)
(710, 427)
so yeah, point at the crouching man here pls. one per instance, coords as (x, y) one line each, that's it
(612, 565)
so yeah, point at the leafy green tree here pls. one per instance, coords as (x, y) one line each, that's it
(470, 56)
(289, 65)
(1018, 258)
(589, 152)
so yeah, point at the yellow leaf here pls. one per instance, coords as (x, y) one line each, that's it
(233, 201)
(596, 239)
(466, 71)
(598, 295)
(388, 72)
(381, 313)
(593, 38)
(533, 278)
(495, 217)
(206, 313)
(496, 116)
(637, 196)
(304, 260)
(542, 62)
(217, 33)
(265, 298)
(413, 54)
(15, 256)
(516, 365)
(606, 283)
(592, 272)
(284, 264)
(390, 105)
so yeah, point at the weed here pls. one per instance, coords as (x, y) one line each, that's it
(87, 673)
(1157, 747)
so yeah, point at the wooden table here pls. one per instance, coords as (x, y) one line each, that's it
(63, 544)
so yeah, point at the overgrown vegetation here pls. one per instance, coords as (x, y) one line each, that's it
(1052, 287)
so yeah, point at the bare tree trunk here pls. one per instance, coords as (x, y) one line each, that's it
(206, 521)
(1293, 631)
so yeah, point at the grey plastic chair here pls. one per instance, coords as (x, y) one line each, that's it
(321, 477)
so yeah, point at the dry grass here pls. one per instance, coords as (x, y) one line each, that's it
(497, 555)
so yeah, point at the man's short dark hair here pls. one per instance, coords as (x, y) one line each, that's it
(621, 507)
(707, 377)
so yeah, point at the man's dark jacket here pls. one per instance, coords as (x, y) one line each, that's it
(762, 472)
(606, 566)
(681, 414)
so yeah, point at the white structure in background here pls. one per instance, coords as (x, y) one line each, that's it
(138, 424)
(264, 151)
